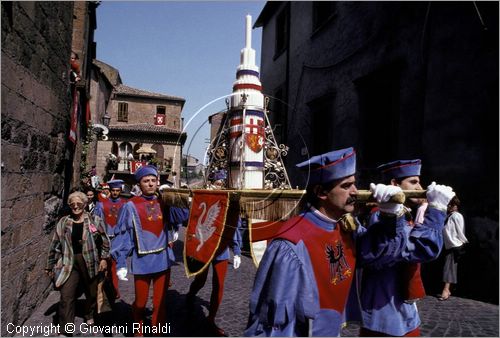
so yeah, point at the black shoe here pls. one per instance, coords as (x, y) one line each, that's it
(190, 303)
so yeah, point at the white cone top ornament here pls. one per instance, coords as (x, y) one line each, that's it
(247, 121)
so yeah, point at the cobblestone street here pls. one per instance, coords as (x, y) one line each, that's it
(453, 318)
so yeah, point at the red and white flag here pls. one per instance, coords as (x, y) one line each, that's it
(159, 119)
(74, 116)
(135, 165)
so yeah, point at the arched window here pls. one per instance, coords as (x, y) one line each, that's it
(159, 155)
(136, 147)
(159, 150)
(125, 149)
(114, 148)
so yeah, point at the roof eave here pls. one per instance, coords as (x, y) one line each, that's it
(166, 98)
(266, 12)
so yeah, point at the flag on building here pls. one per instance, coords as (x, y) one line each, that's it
(74, 116)
(159, 119)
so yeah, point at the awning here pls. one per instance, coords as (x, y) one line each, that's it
(146, 150)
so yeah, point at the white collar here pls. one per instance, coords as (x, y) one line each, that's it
(322, 215)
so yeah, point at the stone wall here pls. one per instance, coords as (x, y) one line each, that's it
(36, 45)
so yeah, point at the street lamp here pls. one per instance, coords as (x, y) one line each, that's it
(101, 130)
(105, 119)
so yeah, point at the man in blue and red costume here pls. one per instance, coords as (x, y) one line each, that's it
(143, 234)
(304, 278)
(219, 267)
(108, 210)
(219, 270)
(103, 192)
(390, 281)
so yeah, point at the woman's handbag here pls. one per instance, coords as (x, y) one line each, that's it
(58, 267)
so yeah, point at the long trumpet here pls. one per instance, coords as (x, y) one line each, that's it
(363, 196)
(270, 204)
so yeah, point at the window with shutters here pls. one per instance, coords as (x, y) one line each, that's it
(122, 112)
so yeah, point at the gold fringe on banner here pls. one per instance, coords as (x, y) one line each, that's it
(176, 199)
(272, 209)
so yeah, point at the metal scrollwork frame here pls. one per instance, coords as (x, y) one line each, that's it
(218, 153)
(275, 175)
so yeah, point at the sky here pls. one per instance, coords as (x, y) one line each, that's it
(189, 49)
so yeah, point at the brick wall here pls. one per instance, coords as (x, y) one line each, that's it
(144, 111)
(79, 29)
(215, 121)
(36, 45)
(104, 148)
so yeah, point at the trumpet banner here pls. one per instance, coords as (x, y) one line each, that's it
(207, 234)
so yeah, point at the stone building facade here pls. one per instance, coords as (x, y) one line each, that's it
(141, 119)
(395, 80)
(193, 165)
(103, 79)
(215, 121)
(84, 25)
(39, 163)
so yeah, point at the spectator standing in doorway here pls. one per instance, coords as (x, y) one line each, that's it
(454, 244)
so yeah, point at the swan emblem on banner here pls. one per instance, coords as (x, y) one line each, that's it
(205, 229)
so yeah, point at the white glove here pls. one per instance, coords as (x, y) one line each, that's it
(439, 195)
(122, 273)
(236, 262)
(175, 236)
(383, 193)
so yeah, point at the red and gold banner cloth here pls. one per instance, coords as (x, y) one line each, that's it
(204, 233)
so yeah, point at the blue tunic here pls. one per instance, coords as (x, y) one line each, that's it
(99, 211)
(235, 244)
(383, 252)
(285, 296)
(178, 217)
(149, 251)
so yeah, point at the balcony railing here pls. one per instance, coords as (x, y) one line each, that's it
(125, 166)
